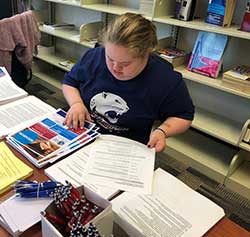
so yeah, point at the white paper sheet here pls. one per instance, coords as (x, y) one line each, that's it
(121, 163)
(173, 209)
(72, 169)
(19, 214)
(9, 91)
(21, 113)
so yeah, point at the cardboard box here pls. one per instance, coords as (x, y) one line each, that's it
(103, 221)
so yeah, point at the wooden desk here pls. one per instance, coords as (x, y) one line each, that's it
(224, 228)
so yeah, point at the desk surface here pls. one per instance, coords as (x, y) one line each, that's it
(224, 228)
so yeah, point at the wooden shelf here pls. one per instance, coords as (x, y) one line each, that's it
(109, 8)
(244, 146)
(239, 181)
(101, 7)
(70, 3)
(202, 153)
(199, 24)
(217, 126)
(208, 81)
(53, 59)
(53, 78)
(67, 34)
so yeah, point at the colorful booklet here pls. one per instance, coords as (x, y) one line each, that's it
(206, 57)
(49, 139)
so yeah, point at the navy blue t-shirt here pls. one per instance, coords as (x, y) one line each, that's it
(129, 108)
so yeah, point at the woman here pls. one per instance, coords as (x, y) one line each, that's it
(124, 87)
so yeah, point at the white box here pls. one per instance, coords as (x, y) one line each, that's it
(103, 221)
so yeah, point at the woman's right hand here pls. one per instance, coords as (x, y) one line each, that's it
(76, 115)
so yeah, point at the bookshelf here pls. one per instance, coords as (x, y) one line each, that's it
(214, 146)
(205, 154)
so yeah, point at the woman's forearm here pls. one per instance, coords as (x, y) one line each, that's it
(71, 94)
(173, 126)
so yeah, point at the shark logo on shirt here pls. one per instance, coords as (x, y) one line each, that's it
(109, 105)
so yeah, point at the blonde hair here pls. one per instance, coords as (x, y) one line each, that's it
(133, 32)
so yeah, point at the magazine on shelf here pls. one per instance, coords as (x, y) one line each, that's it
(49, 139)
(206, 57)
(173, 207)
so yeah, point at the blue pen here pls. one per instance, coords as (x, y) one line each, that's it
(41, 193)
(35, 186)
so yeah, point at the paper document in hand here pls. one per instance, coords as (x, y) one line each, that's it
(72, 169)
(18, 114)
(11, 168)
(121, 163)
(9, 91)
(173, 209)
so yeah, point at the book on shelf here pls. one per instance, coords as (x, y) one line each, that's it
(220, 12)
(11, 168)
(175, 56)
(184, 9)
(237, 78)
(49, 139)
(245, 24)
(206, 57)
(240, 73)
(178, 209)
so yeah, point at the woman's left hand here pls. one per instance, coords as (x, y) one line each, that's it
(157, 140)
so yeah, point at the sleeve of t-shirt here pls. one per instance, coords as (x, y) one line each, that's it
(79, 71)
(177, 103)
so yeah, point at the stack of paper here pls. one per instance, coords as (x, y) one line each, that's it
(17, 109)
(9, 91)
(173, 209)
(108, 165)
(21, 113)
(73, 169)
(237, 78)
(49, 139)
(11, 168)
(121, 163)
